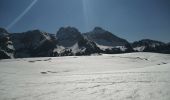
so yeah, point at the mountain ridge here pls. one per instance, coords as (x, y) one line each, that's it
(69, 41)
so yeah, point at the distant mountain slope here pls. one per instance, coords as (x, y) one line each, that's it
(106, 40)
(147, 45)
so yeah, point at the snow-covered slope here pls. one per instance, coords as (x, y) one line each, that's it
(131, 76)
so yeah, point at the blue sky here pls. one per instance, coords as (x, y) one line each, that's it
(129, 19)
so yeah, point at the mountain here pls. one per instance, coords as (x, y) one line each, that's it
(69, 42)
(33, 44)
(68, 36)
(6, 47)
(72, 42)
(107, 41)
(147, 45)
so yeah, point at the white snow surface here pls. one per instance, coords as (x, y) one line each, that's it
(102, 47)
(131, 76)
(140, 49)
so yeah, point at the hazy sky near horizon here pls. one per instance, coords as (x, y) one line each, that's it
(129, 19)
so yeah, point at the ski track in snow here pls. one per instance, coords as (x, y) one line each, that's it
(133, 76)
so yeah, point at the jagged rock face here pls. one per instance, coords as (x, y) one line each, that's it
(3, 32)
(107, 41)
(88, 47)
(105, 38)
(4, 36)
(6, 46)
(32, 44)
(68, 36)
(74, 43)
(69, 41)
(147, 45)
(28, 40)
(147, 42)
(4, 55)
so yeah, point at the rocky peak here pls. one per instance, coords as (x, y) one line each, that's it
(2, 30)
(98, 30)
(68, 36)
(68, 32)
(105, 38)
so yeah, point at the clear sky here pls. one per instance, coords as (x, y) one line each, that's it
(129, 19)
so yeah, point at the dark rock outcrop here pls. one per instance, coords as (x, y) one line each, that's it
(33, 44)
(147, 45)
(73, 41)
(6, 46)
(110, 42)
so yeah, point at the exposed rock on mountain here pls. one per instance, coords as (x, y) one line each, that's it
(147, 45)
(107, 41)
(71, 42)
(68, 36)
(33, 44)
(6, 47)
